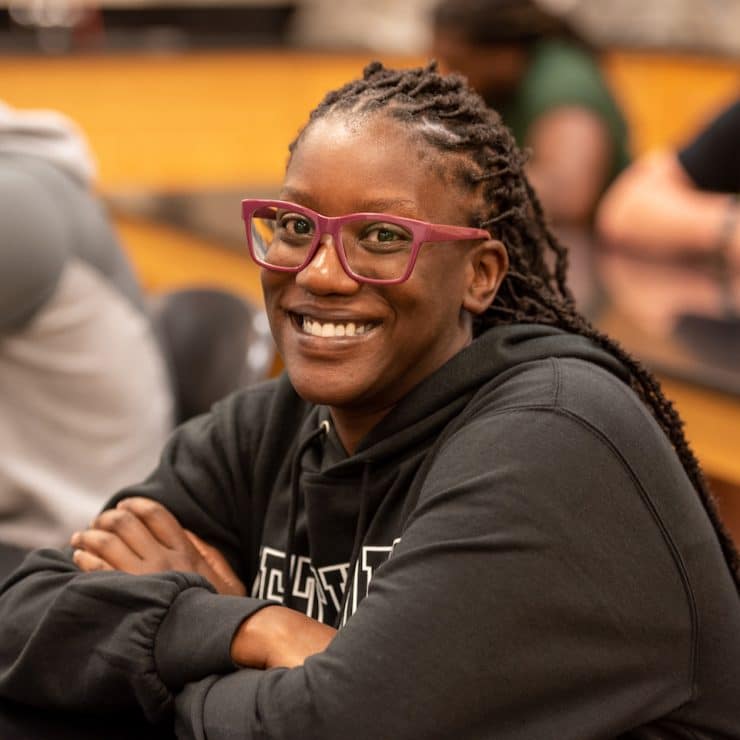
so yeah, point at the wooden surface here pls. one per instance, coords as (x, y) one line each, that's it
(712, 425)
(166, 258)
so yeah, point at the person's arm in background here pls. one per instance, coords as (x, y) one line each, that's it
(572, 154)
(33, 246)
(33, 252)
(669, 203)
(655, 207)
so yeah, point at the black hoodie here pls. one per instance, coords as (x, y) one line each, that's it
(526, 558)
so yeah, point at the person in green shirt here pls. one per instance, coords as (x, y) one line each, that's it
(545, 81)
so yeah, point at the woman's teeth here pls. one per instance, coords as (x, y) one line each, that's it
(330, 329)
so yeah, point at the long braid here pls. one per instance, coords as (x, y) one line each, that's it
(452, 118)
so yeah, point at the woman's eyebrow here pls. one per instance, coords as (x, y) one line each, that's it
(296, 196)
(394, 205)
(399, 206)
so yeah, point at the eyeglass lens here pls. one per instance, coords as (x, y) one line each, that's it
(378, 249)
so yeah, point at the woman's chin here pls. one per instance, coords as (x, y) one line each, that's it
(324, 392)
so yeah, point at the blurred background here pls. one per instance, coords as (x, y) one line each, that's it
(189, 106)
(183, 95)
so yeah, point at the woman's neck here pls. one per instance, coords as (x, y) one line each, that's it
(351, 426)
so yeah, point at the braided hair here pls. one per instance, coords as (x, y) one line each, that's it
(448, 115)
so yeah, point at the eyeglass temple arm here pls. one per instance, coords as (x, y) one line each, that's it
(445, 233)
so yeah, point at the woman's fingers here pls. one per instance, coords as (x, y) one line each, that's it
(205, 550)
(141, 536)
(129, 538)
(209, 553)
(221, 575)
(108, 547)
(88, 562)
(131, 530)
(158, 520)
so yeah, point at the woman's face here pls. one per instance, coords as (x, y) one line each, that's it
(348, 165)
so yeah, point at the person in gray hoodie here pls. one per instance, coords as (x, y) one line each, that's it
(462, 512)
(85, 401)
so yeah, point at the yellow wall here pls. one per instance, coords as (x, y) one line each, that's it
(667, 97)
(182, 120)
(207, 119)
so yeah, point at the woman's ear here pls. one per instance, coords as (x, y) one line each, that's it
(487, 266)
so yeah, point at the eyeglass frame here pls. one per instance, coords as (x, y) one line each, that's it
(422, 232)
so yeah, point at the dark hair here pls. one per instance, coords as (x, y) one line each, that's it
(488, 22)
(450, 116)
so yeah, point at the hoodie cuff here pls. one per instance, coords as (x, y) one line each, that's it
(194, 639)
(214, 707)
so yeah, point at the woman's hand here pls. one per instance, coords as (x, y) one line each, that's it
(276, 636)
(141, 536)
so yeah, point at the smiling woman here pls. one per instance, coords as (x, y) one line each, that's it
(452, 452)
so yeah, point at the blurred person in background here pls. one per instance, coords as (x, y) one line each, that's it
(545, 81)
(85, 402)
(672, 203)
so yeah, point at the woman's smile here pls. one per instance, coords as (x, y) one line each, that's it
(332, 328)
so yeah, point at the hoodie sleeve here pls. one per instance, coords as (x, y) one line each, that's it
(511, 608)
(129, 640)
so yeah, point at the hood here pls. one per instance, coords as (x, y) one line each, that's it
(48, 135)
(445, 393)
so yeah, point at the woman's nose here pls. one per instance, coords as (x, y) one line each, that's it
(324, 274)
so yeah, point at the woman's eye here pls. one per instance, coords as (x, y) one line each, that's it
(384, 233)
(294, 223)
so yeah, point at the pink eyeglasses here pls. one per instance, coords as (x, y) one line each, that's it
(376, 248)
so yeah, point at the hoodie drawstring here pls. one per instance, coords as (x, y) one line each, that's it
(357, 544)
(295, 492)
(362, 516)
